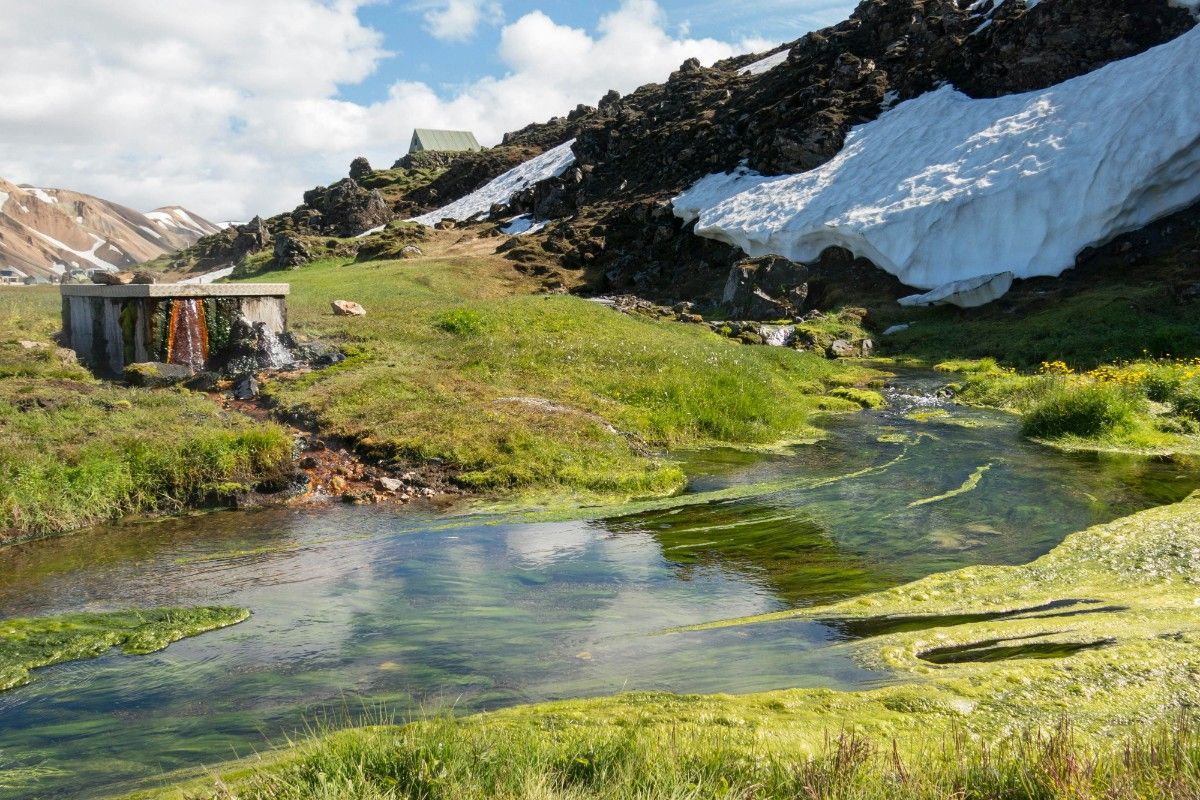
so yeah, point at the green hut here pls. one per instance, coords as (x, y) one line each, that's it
(428, 140)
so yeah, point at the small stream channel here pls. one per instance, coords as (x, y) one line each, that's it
(360, 608)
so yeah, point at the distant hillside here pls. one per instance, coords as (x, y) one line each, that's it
(46, 232)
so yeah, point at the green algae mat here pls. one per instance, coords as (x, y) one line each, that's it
(27, 644)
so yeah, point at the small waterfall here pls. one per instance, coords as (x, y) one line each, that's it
(274, 352)
(187, 334)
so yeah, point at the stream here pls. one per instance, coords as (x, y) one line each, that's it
(397, 613)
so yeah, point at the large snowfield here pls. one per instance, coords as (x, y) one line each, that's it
(549, 164)
(945, 188)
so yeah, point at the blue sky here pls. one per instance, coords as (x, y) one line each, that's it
(444, 64)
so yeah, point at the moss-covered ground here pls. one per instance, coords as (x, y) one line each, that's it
(76, 451)
(27, 644)
(1101, 635)
(458, 363)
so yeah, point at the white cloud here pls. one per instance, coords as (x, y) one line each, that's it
(232, 108)
(458, 20)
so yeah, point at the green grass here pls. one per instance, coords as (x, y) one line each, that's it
(456, 363)
(75, 451)
(569, 759)
(1146, 406)
(27, 644)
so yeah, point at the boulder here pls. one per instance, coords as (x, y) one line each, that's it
(840, 348)
(765, 288)
(144, 278)
(360, 168)
(157, 374)
(389, 485)
(348, 308)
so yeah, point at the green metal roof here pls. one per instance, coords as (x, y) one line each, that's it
(443, 141)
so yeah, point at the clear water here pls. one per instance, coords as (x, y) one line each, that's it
(369, 608)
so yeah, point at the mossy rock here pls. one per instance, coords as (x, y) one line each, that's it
(157, 374)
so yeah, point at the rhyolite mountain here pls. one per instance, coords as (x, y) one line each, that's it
(47, 232)
(784, 112)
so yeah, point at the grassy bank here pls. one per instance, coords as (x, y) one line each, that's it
(1086, 318)
(27, 644)
(75, 451)
(458, 363)
(1148, 406)
(1104, 631)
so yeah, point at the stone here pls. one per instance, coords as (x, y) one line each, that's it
(144, 278)
(337, 484)
(390, 485)
(27, 345)
(840, 348)
(411, 251)
(247, 388)
(309, 462)
(156, 374)
(348, 308)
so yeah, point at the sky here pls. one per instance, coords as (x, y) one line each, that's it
(232, 108)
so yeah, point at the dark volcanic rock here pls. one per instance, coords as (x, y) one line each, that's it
(765, 288)
(360, 168)
(346, 208)
(290, 252)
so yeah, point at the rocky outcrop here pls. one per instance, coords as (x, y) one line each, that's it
(346, 208)
(636, 151)
(290, 252)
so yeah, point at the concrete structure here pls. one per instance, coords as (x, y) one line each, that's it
(426, 139)
(12, 276)
(110, 327)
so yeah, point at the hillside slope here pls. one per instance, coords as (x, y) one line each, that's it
(46, 232)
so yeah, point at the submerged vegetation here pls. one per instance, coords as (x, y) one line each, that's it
(76, 451)
(458, 364)
(27, 644)
(1101, 631)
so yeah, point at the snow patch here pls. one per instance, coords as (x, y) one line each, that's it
(3, 199)
(945, 188)
(549, 164)
(770, 62)
(41, 194)
(151, 231)
(522, 225)
(371, 232)
(969, 293)
(88, 255)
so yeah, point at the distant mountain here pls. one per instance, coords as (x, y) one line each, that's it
(47, 232)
